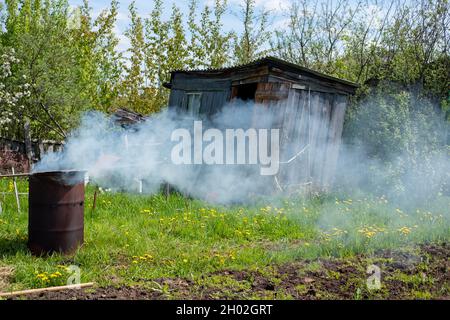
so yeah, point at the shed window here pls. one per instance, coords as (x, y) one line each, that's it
(194, 103)
(245, 91)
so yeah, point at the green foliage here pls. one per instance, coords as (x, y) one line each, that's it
(132, 85)
(108, 62)
(166, 50)
(210, 46)
(70, 68)
(250, 45)
(159, 47)
(404, 135)
(399, 42)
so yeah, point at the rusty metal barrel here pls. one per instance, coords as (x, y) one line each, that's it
(56, 212)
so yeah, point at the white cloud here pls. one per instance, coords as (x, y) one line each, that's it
(273, 5)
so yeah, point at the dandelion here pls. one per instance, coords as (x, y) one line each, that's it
(335, 232)
(371, 231)
(65, 268)
(404, 230)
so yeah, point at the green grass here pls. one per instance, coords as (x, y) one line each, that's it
(133, 239)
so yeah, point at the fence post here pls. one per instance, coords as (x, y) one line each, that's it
(28, 144)
(16, 192)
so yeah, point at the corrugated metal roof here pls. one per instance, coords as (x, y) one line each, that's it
(270, 61)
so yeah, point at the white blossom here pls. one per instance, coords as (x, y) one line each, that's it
(11, 95)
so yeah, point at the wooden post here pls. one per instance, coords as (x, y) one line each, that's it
(41, 150)
(167, 190)
(28, 145)
(16, 192)
(94, 203)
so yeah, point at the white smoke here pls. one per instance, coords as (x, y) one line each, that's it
(121, 159)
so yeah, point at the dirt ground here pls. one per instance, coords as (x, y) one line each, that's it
(419, 274)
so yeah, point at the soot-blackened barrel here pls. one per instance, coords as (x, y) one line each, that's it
(56, 212)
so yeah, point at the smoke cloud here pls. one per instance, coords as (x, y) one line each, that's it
(139, 156)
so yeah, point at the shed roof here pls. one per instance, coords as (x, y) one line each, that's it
(124, 116)
(270, 62)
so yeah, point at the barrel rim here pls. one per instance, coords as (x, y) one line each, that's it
(63, 177)
(58, 172)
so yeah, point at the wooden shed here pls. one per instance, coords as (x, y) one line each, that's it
(308, 108)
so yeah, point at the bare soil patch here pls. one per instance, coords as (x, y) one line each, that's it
(424, 274)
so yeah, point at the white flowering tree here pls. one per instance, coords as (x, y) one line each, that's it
(13, 91)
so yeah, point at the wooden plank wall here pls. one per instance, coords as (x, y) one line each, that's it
(334, 139)
(305, 118)
(176, 98)
(215, 92)
(213, 101)
(314, 118)
(294, 139)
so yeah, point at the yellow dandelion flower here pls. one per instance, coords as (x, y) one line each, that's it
(404, 230)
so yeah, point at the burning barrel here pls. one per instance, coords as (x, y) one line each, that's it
(56, 212)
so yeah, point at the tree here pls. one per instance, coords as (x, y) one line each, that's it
(109, 61)
(167, 50)
(134, 79)
(70, 67)
(250, 44)
(14, 91)
(315, 34)
(402, 139)
(44, 46)
(210, 45)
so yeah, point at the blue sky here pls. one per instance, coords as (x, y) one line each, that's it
(145, 6)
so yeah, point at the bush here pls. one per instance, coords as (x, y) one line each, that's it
(396, 139)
